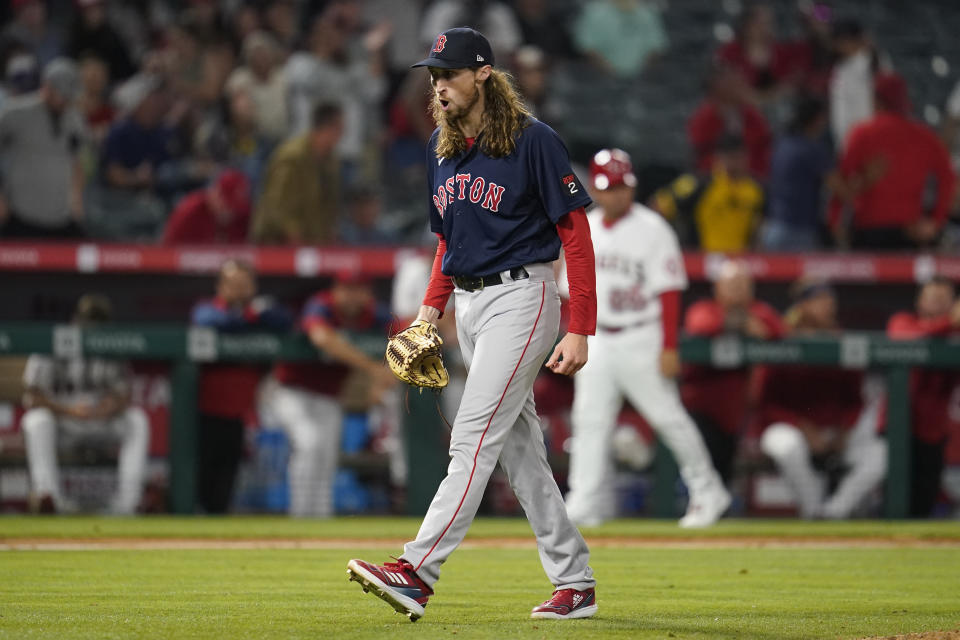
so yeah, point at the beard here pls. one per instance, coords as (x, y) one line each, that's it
(453, 118)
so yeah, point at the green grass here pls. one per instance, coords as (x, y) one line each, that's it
(751, 592)
(374, 528)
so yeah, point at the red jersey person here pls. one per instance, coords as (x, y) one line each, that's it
(817, 416)
(717, 399)
(886, 168)
(218, 214)
(767, 63)
(726, 111)
(306, 402)
(227, 389)
(937, 315)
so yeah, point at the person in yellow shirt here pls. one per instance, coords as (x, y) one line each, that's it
(719, 212)
(300, 198)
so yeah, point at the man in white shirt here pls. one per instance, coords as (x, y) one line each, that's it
(633, 355)
(851, 85)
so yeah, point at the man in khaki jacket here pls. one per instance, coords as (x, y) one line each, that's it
(300, 201)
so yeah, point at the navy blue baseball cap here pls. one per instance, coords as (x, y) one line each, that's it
(457, 49)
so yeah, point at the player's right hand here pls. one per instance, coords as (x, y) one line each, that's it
(569, 355)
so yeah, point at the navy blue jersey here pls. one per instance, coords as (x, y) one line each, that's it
(500, 213)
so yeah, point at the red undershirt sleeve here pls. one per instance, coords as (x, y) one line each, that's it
(440, 286)
(670, 317)
(574, 232)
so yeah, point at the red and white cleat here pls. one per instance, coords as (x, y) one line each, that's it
(395, 583)
(567, 604)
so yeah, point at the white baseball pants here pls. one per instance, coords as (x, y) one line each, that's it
(313, 422)
(506, 333)
(41, 428)
(865, 453)
(627, 364)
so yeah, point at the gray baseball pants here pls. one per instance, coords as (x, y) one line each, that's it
(506, 333)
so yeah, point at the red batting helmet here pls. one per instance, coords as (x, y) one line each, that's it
(611, 167)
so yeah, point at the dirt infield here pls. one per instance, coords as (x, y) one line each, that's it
(739, 542)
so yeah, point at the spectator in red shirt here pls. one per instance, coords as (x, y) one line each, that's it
(218, 214)
(821, 417)
(886, 166)
(937, 315)
(716, 398)
(306, 402)
(226, 389)
(766, 64)
(727, 111)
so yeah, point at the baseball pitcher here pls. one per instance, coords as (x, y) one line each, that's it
(502, 201)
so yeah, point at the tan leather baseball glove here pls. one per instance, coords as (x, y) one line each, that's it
(414, 356)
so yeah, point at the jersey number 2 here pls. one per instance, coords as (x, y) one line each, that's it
(573, 188)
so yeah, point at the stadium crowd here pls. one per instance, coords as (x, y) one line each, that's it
(197, 121)
(298, 122)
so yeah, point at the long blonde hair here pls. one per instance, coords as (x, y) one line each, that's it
(504, 116)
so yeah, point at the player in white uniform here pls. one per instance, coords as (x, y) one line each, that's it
(82, 401)
(639, 278)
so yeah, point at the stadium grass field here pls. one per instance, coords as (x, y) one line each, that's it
(277, 578)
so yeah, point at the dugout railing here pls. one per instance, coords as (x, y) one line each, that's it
(187, 349)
